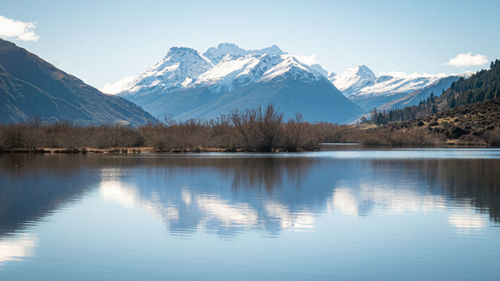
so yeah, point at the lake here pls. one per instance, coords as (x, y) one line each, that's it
(397, 214)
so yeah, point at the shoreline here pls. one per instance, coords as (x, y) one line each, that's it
(137, 150)
(131, 150)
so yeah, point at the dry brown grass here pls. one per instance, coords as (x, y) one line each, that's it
(417, 136)
(260, 129)
(251, 130)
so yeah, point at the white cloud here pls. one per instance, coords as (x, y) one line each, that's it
(24, 31)
(114, 88)
(468, 59)
(309, 60)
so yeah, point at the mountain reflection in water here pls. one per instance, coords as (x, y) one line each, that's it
(228, 195)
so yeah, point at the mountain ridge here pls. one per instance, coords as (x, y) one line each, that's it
(236, 71)
(33, 88)
(227, 67)
(391, 90)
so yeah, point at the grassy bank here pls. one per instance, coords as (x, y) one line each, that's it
(472, 124)
(255, 130)
(251, 130)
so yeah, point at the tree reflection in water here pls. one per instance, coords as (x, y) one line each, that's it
(228, 194)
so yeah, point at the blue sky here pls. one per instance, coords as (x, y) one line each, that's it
(103, 41)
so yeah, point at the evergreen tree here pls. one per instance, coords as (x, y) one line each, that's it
(452, 101)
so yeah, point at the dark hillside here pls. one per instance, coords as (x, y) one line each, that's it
(33, 88)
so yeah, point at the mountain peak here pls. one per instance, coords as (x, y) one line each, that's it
(180, 53)
(272, 51)
(365, 72)
(180, 65)
(230, 48)
(291, 67)
(226, 77)
(216, 54)
(223, 50)
(220, 68)
(354, 79)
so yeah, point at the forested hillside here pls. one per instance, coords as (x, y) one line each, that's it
(482, 86)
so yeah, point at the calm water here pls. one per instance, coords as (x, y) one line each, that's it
(425, 214)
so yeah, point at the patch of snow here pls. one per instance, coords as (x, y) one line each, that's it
(227, 69)
(399, 82)
(154, 83)
(354, 79)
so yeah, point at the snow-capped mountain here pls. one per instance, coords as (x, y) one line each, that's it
(176, 70)
(188, 85)
(351, 81)
(220, 69)
(220, 72)
(232, 73)
(414, 97)
(367, 90)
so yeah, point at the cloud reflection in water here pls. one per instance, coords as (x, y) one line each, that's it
(17, 248)
(218, 196)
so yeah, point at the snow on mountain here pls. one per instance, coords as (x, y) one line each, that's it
(216, 54)
(291, 67)
(399, 83)
(176, 70)
(229, 50)
(361, 81)
(230, 73)
(354, 79)
(224, 69)
(220, 69)
(414, 97)
(188, 85)
(367, 90)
